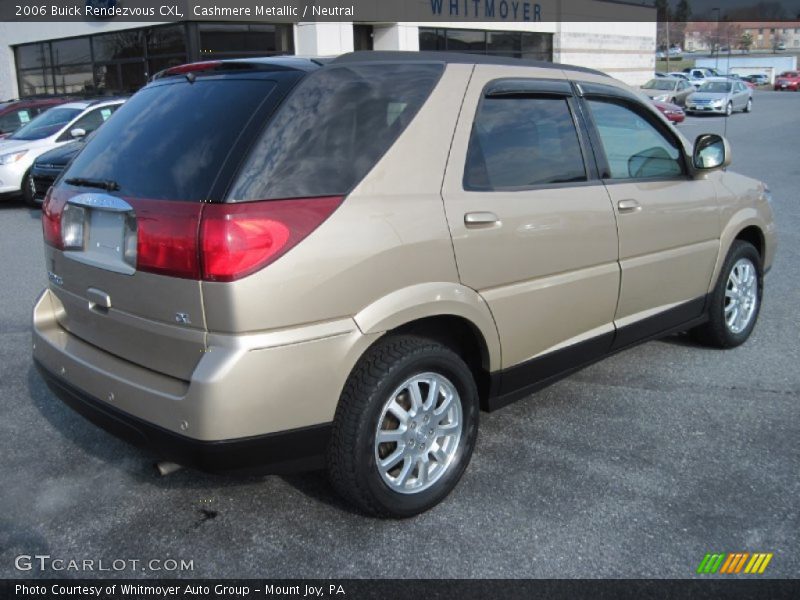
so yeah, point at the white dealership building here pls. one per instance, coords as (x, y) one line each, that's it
(111, 57)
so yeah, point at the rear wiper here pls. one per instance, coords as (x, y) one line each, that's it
(103, 184)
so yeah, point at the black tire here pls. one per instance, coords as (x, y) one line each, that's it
(729, 109)
(716, 332)
(28, 191)
(749, 106)
(352, 466)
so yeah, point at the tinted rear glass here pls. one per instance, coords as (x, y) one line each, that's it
(169, 141)
(333, 129)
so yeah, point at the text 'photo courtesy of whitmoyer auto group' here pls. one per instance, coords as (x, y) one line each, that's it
(382, 299)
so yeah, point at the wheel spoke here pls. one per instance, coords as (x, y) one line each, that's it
(447, 430)
(433, 394)
(391, 460)
(422, 471)
(448, 400)
(439, 455)
(388, 436)
(399, 412)
(405, 472)
(416, 397)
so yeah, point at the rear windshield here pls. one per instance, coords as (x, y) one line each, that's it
(47, 124)
(660, 84)
(169, 141)
(333, 129)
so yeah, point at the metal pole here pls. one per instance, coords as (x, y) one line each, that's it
(668, 45)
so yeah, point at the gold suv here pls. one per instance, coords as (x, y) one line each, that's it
(283, 264)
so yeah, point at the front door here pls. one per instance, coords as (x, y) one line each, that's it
(668, 222)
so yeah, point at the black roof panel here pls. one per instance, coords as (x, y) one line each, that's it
(452, 57)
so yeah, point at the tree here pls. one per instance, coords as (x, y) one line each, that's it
(746, 42)
(662, 27)
(683, 12)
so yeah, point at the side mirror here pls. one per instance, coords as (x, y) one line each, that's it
(77, 133)
(711, 151)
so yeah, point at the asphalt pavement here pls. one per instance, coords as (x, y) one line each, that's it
(634, 467)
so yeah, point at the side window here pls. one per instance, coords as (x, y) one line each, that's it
(9, 122)
(519, 142)
(92, 120)
(634, 147)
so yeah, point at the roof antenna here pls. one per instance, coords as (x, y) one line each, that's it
(191, 77)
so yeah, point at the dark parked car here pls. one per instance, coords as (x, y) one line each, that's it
(49, 166)
(16, 113)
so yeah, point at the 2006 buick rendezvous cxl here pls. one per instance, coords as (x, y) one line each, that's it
(286, 263)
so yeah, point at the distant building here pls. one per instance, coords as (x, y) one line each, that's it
(765, 35)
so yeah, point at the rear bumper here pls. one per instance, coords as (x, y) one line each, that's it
(254, 400)
(285, 452)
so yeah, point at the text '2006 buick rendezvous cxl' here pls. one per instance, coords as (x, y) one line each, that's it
(286, 264)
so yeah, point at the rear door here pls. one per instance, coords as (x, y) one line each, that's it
(668, 222)
(129, 207)
(532, 227)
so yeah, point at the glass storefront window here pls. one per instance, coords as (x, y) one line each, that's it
(35, 82)
(516, 44)
(120, 45)
(166, 40)
(537, 46)
(31, 56)
(74, 79)
(229, 40)
(72, 51)
(462, 40)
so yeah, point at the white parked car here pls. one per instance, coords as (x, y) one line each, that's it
(59, 125)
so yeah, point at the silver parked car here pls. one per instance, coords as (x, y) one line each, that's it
(668, 89)
(720, 96)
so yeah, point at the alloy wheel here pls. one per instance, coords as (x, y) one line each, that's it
(418, 433)
(741, 295)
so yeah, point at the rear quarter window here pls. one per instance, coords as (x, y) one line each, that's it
(332, 130)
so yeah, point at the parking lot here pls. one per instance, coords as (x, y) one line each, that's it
(634, 467)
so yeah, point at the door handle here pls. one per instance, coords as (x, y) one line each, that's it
(628, 206)
(478, 219)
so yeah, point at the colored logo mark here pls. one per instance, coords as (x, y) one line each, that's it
(734, 562)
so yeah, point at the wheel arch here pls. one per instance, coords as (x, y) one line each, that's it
(745, 226)
(451, 314)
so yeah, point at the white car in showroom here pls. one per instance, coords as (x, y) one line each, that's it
(55, 127)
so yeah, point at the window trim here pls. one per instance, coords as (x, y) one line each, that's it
(535, 87)
(592, 91)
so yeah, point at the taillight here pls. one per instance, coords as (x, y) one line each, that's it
(167, 237)
(52, 209)
(192, 240)
(239, 239)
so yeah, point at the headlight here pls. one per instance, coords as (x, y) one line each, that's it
(12, 157)
(716, 103)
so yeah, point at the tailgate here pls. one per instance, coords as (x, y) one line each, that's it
(131, 316)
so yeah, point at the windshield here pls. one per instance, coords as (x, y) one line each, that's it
(46, 124)
(659, 84)
(716, 87)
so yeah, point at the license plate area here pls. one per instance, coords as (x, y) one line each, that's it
(100, 231)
